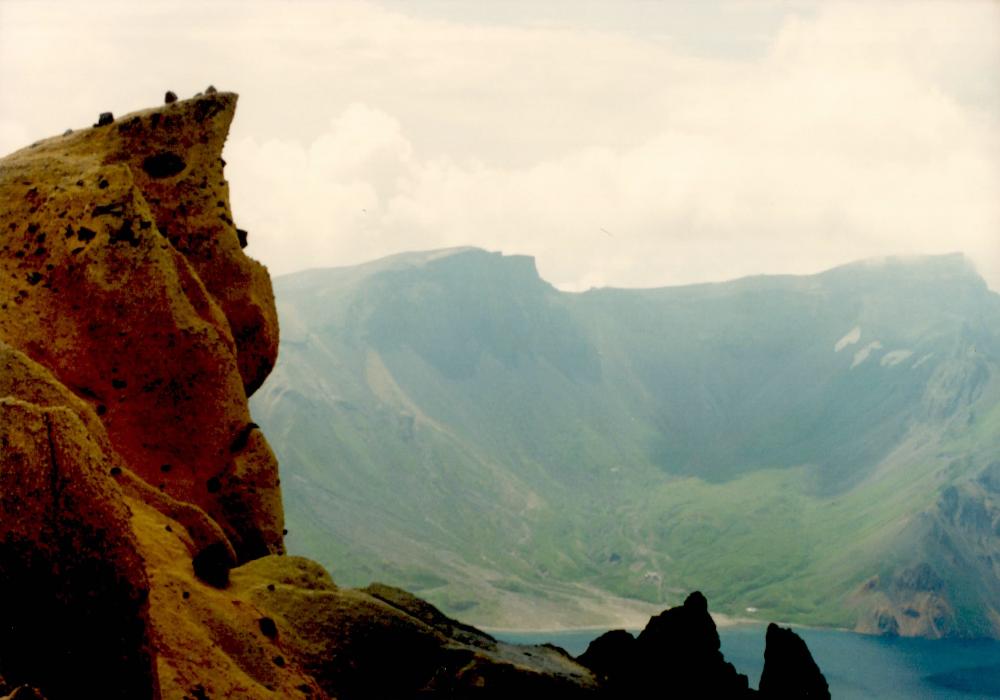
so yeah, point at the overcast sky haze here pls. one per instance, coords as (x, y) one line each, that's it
(620, 143)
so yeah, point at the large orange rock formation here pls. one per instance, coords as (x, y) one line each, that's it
(121, 273)
(132, 479)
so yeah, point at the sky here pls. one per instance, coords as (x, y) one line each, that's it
(621, 143)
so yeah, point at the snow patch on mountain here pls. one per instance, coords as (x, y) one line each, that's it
(922, 360)
(891, 359)
(862, 354)
(853, 336)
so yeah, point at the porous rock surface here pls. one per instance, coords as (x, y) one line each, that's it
(121, 273)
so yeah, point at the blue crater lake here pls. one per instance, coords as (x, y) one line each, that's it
(855, 666)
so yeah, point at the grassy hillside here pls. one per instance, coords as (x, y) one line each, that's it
(451, 423)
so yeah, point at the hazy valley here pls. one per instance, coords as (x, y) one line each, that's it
(819, 449)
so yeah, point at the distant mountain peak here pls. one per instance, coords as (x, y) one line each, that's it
(956, 264)
(943, 266)
(479, 259)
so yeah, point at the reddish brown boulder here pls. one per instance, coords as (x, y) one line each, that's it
(158, 329)
(175, 156)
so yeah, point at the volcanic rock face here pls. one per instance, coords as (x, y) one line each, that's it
(132, 327)
(121, 272)
(955, 549)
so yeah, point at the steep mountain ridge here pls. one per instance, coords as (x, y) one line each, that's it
(772, 440)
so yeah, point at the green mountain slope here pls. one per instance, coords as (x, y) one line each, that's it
(820, 449)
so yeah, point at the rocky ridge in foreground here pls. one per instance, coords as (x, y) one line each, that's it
(142, 551)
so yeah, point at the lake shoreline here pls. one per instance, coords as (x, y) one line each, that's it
(856, 666)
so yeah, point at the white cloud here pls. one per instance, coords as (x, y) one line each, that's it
(320, 204)
(851, 130)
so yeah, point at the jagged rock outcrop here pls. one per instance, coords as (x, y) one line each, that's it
(789, 669)
(909, 602)
(175, 157)
(677, 650)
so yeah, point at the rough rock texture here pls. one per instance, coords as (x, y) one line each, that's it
(393, 645)
(947, 583)
(67, 561)
(175, 156)
(789, 669)
(121, 272)
(22, 378)
(910, 602)
(131, 477)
